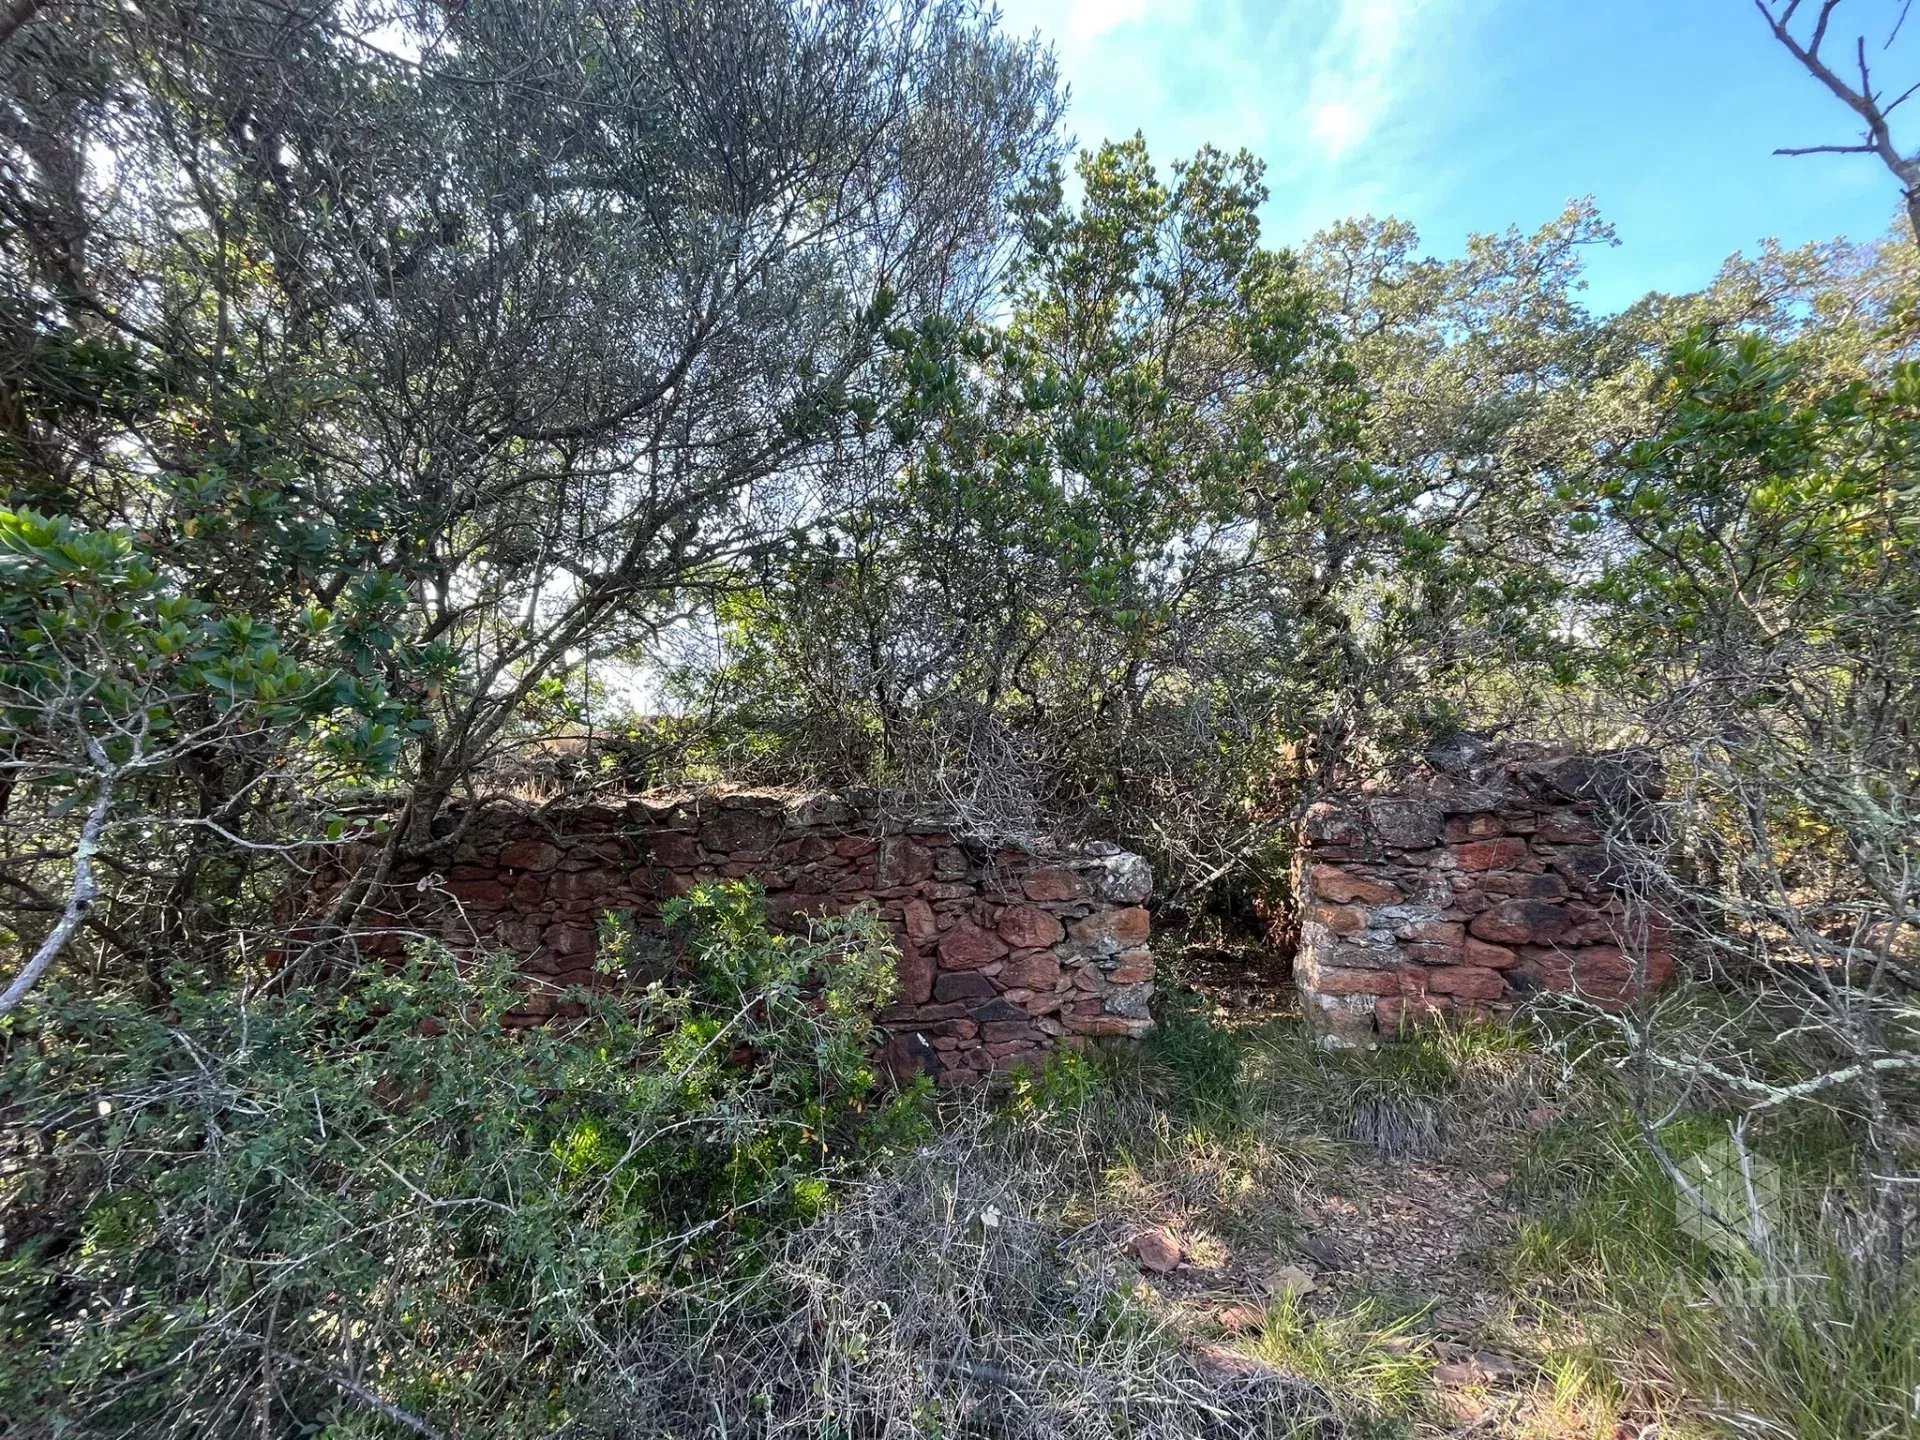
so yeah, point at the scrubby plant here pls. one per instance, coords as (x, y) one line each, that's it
(391, 1203)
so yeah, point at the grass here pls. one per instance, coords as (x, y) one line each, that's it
(1805, 1340)
(1377, 1361)
(1622, 1315)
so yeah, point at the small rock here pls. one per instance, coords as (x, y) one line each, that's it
(1292, 1280)
(1155, 1251)
(1240, 1319)
(1495, 1366)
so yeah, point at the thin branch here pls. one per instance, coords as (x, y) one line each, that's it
(80, 896)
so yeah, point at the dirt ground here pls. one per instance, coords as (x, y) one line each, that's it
(1415, 1235)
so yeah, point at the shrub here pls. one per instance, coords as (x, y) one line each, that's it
(273, 1213)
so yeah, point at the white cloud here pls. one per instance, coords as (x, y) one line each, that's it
(1326, 91)
(1088, 20)
(1355, 69)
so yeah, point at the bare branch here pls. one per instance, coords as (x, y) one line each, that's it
(80, 896)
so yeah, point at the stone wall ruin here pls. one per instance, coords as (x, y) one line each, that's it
(1005, 953)
(1471, 883)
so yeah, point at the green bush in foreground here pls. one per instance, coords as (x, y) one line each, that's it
(382, 1207)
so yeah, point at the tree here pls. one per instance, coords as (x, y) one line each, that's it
(1809, 46)
(488, 331)
(1109, 580)
(1759, 615)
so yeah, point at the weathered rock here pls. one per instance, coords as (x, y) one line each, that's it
(1501, 854)
(1520, 922)
(1468, 981)
(968, 947)
(1031, 970)
(1342, 886)
(1121, 879)
(1155, 1251)
(530, 855)
(1052, 883)
(1340, 919)
(1118, 927)
(1027, 927)
(1405, 823)
(962, 985)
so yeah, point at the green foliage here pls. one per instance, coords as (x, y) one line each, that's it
(1104, 576)
(395, 1187)
(1762, 512)
(103, 644)
(1205, 1063)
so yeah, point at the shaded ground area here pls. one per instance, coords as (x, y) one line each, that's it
(1362, 1232)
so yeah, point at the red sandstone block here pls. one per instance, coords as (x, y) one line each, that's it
(855, 846)
(1128, 926)
(582, 884)
(1525, 886)
(1027, 927)
(1345, 886)
(1486, 953)
(530, 855)
(814, 847)
(736, 831)
(485, 893)
(998, 1032)
(968, 947)
(1521, 922)
(916, 970)
(1478, 855)
(1469, 981)
(1437, 932)
(1052, 883)
(921, 927)
(1134, 966)
(1482, 826)
(1102, 1024)
(1568, 827)
(904, 862)
(1329, 981)
(1014, 1055)
(674, 849)
(1430, 952)
(1031, 970)
(1341, 919)
(568, 940)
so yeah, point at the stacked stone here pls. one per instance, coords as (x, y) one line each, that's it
(1005, 953)
(1457, 893)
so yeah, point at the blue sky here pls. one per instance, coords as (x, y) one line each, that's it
(1472, 115)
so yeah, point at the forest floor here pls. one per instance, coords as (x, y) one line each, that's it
(1379, 1225)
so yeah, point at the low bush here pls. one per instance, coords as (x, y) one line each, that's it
(385, 1208)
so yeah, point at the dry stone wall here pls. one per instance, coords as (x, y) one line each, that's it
(1466, 886)
(1005, 953)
